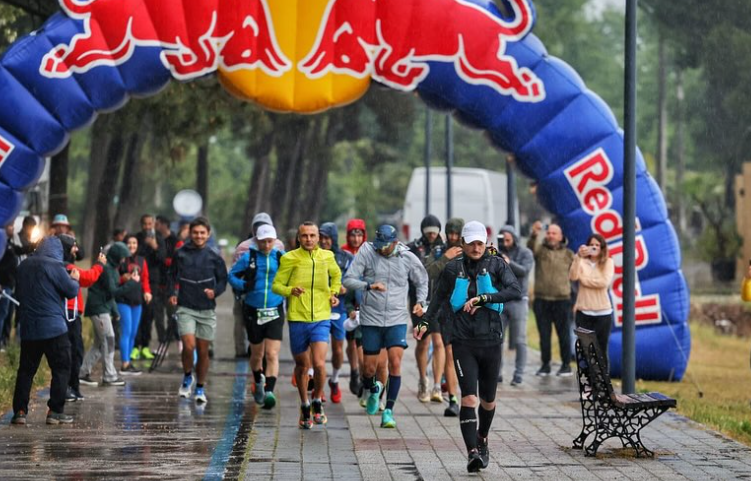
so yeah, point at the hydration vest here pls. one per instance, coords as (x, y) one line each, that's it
(460, 296)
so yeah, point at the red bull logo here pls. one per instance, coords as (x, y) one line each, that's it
(345, 43)
(5, 149)
(233, 34)
(374, 38)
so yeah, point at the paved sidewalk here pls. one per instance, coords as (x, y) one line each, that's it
(144, 431)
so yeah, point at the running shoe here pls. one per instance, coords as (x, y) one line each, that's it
(269, 401)
(336, 393)
(354, 382)
(435, 395)
(305, 421)
(69, 396)
(187, 386)
(387, 419)
(474, 462)
(19, 418)
(517, 380)
(544, 371)
(452, 411)
(87, 381)
(363, 398)
(319, 417)
(114, 382)
(200, 396)
(482, 450)
(259, 393)
(422, 390)
(58, 418)
(130, 371)
(372, 404)
(146, 354)
(135, 354)
(78, 395)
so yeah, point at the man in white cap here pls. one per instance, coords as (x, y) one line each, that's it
(240, 335)
(60, 225)
(263, 311)
(472, 290)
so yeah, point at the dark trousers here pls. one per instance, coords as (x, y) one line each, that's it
(76, 351)
(153, 313)
(602, 326)
(547, 315)
(57, 352)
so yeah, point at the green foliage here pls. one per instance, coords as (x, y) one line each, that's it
(720, 239)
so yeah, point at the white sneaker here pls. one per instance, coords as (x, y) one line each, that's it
(187, 386)
(200, 396)
(423, 395)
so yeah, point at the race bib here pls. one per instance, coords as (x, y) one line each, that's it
(335, 316)
(267, 315)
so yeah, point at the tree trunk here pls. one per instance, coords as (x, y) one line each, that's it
(59, 183)
(662, 114)
(288, 143)
(680, 158)
(100, 139)
(258, 188)
(131, 182)
(106, 191)
(202, 174)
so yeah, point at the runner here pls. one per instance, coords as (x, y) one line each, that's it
(430, 243)
(330, 241)
(253, 275)
(472, 288)
(198, 277)
(384, 270)
(311, 280)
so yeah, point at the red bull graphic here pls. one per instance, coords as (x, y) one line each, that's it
(6, 148)
(372, 38)
(233, 34)
(470, 57)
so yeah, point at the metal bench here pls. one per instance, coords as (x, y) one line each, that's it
(606, 414)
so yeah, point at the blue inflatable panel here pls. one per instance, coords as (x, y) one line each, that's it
(10, 204)
(62, 98)
(662, 352)
(3, 242)
(20, 167)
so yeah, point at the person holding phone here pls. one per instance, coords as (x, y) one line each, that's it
(130, 304)
(594, 270)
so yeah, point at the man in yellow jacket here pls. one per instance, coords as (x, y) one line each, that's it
(310, 278)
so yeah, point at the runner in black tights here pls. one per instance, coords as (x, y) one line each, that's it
(472, 289)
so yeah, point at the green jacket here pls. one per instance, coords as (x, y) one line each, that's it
(315, 271)
(551, 270)
(101, 298)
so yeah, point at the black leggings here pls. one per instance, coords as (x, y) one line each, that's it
(477, 366)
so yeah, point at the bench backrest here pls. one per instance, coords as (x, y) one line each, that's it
(591, 362)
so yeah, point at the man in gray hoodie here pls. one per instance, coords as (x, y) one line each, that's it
(514, 316)
(384, 270)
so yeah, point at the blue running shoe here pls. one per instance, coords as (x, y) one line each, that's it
(200, 396)
(387, 419)
(374, 398)
(186, 387)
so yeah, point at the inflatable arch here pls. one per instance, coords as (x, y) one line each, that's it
(463, 56)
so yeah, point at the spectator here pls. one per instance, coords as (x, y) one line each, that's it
(118, 235)
(151, 247)
(130, 303)
(43, 285)
(8, 266)
(87, 278)
(594, 270)
(552, 304)
(171, 244)
(60, 225)
(101, 308)
(514, 315)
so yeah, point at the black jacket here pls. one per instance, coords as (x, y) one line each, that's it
(194, 270)
(484, 327)
(154, 257)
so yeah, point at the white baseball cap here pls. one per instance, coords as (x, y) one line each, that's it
(474, 231)
(265, 231)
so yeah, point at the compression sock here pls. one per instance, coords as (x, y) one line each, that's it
(468, 424)
(485, 419)
(270, 384)
(257, 376)
(395, 382)
(335, 375)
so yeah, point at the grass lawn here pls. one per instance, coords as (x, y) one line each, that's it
(720, 366)
(8, 368)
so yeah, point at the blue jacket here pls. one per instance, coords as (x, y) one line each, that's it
(259, 295)
(343, 260)
(42, 288)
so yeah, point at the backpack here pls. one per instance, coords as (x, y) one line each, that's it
(249, 275)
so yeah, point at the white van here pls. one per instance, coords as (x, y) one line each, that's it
(477, 194)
